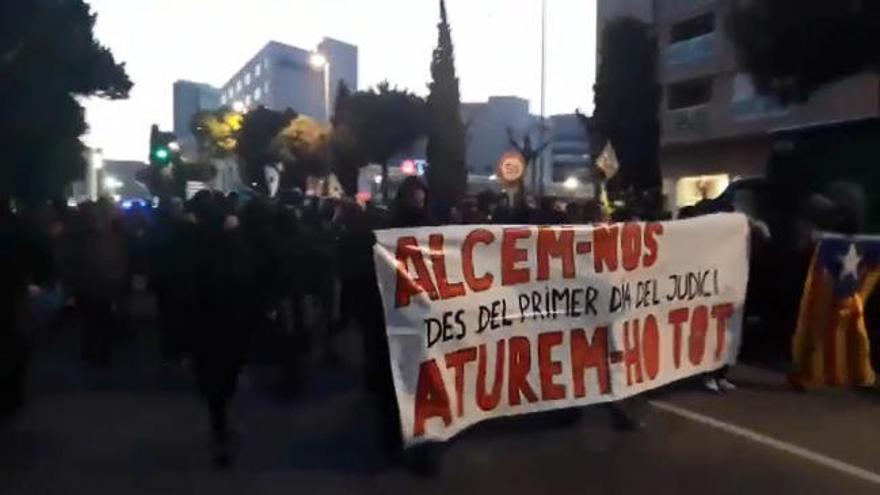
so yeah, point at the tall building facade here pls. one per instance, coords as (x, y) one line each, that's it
(608, 10)
(281, 76)
(189, 99)
(487, 125)
(715, 127)
(567, 154)
(568, 150)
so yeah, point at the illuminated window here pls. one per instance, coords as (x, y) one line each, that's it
(238, 85)
(266, 87)
(223, 99)
(258, 70)
(258, 93)
(247, 100)
(247, 78)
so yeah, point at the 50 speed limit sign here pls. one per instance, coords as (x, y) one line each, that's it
(511, 167)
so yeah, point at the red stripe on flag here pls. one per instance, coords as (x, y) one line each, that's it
(830, 348)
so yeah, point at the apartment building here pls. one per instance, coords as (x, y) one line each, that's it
(715, 127)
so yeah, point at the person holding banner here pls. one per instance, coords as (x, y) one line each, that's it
(13, 348)
(410, 209)
(831, 346)
(493, 321)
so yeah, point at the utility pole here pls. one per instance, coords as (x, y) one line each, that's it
(543, 132)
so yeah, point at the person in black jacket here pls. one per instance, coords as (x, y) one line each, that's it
(172, 262)
(13, 350)
(410, 209)
(226, 306)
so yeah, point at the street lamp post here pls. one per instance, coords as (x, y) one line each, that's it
(542, 159)
(95, 166)
(320, 62)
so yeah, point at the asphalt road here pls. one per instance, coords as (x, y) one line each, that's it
(138, 429)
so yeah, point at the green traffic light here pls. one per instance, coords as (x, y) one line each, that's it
(162, 155)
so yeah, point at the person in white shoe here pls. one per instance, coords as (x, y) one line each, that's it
(717, 381)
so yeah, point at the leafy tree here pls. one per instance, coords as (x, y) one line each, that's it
(254, 146)
(371, 126)
(343, 94)
(792, 48)
(303, 146)
(347, 160)
(217, 131)
(48, 57)
(447, 171)
(627, 100)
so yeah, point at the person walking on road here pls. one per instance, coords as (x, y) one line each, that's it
(99, 272)
(13, 349)
(226, 306)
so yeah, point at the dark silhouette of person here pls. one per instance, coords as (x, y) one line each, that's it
(13, 348)
(226, 305)
(99, 273)
(172, 261)
(319, 267)
(292, 247)
(410, 209)
(502, 213)
(547, 214)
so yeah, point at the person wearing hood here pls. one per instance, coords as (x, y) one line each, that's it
(13, 349)
(410, 207)
(226, 305)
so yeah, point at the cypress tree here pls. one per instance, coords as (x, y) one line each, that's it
(447, 171)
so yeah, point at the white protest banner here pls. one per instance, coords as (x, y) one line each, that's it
(491, 321)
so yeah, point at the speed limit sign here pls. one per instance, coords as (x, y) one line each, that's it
(511, 167)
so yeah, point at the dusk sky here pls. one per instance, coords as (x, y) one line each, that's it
(497, 49)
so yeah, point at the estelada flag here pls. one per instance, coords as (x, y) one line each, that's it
(607, 161)
(831, 346)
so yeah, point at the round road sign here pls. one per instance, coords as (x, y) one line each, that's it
(511, 167)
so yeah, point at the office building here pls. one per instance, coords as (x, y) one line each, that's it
(608, 10)
(487, 125)
(566, 156)
(189, 99)
(281, 76)
(568, 153)
(715, 127)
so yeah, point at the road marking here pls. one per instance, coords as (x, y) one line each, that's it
(754, 436)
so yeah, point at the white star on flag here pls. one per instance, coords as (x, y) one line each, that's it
(850, 263)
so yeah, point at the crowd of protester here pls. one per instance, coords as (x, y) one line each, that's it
(227, 271)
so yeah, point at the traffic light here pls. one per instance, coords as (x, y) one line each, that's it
(161, 155)
(163, 146)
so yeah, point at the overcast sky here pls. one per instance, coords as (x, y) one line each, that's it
(497, 49)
